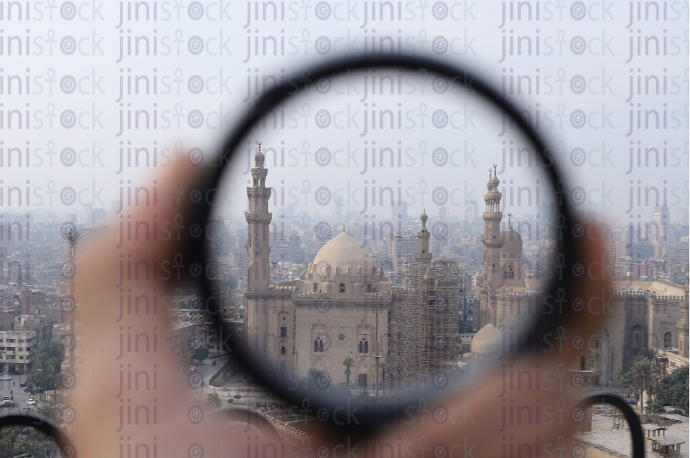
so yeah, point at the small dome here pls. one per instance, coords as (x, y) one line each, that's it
(512, 242)
(493, 183)
(487, 342)
(259, 158)
(423, 217)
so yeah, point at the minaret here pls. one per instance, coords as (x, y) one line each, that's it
(492, 232)
(491, 239)
(267, 311)
(258, 218)
(423, 253)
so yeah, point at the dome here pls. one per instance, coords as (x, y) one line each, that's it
(512, 242)
(492, 184)
(343, 251)
(487, 343)
(495, 182)
(259, 158)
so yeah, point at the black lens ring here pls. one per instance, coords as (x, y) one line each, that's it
(209, 183)
(631, 417)
(42, 425)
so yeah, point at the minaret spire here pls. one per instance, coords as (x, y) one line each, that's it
(423, 239)
(258, 218)
(492, 231)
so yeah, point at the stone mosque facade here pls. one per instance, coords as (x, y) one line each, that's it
(344, 306)
(641, 312)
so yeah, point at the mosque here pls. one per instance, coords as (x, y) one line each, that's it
(642, 312)
(343, 306)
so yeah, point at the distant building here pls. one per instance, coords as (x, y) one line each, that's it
(25, 304)
(15, 350)
(402, 246)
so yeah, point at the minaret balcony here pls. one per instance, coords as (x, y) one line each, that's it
(495, 242)
(492, 216)
(259, 192)
(259, 219)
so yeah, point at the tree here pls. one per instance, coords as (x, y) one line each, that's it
(48, 357)
(49, 412)
(213, 400)
(654, 405)
(10, 435)
(201, 354)
(658, 371)
(646, 374)
(673, 389)
(624, 381)
(641, 374)
(347, 363)
(37, 444)
(237, 397)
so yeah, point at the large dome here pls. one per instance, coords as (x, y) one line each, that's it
(487, 342)
(343, 251)
(512, 242)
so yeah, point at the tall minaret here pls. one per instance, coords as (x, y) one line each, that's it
(492, 232)
(423, 253)
(258, 218)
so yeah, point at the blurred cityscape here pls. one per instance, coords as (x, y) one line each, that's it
(413, 298)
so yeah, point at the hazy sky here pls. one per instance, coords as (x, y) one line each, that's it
(469, 35)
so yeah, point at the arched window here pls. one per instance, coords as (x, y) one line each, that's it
(283, 331)
(582, 363)
(316, 345)
(366, 347)
(282, 351)
(321, 345)
(361, 346)
(342, 287)
(667, 339)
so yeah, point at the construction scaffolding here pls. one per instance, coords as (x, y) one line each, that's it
(425, 326)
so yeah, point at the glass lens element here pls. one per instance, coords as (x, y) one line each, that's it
(383, 232)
